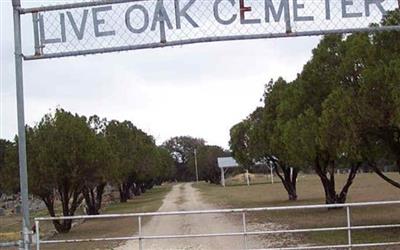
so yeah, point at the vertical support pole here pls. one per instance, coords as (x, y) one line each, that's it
(222, 177)
(35, 21)
(23, 176)
(195, 165)
(140, 233)
(37, 235)
(247, 177)
(244, 230)
(349, 227)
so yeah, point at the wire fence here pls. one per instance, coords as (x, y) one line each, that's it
(95, 27)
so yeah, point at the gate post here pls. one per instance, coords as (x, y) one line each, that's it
(23, 176)
(244, 230)
(140, 232)
(349, 237)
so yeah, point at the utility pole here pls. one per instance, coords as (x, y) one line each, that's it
(23, 176)
(195, 165)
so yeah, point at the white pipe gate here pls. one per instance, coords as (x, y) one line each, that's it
(244, 233)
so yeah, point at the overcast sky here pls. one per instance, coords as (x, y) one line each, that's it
(199, 90)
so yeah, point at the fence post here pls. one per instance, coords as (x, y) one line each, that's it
(140, 233)
(23, 175)
(37, 235)
(349, 226)
(244, 230)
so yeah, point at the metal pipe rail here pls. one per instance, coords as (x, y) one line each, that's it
(206, 40)
(244, 233)
(9, 244)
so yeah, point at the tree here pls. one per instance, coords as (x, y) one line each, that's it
(122, 138)
(182, 150)
(207, 163)
(60, 150)
(102, 161)
(380, 96)
(165, 167)
(268, 130)
(8, 167)
(135, 158)
(239, 143)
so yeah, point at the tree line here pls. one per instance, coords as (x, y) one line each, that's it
(182, 149)
(342, 111)
(72, 158)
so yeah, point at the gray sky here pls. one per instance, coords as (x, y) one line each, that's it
(199, 90)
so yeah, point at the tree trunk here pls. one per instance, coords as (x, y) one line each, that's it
(326, 173)
(137, 191)
(375, 168)
(288, 181)
(352, 175)
(124, 192)
(63, 226)
(93, 198)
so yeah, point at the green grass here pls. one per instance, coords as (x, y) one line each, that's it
(147, 202)
(367, 187)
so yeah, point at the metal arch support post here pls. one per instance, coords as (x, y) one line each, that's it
(21, 126)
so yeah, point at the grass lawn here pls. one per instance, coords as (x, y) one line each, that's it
(367, 187)
(148, 202)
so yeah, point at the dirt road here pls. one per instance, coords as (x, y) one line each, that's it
(185, 197)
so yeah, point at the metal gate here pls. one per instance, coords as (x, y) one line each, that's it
(244, 233)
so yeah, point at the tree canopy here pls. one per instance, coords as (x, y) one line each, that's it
(342, 111)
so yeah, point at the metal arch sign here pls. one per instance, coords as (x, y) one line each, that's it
(118, 25)
(103, 26)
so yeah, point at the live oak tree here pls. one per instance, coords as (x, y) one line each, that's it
(207, 162)
(123, 140)
(182, 150)
(101, 160)
(165, 168)
(136, 159)
(60, 150)
(8, 167)
(342, 111)
(71, 159)
(260, 138)
(380, 96)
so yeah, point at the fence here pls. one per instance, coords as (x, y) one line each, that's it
(245, 233)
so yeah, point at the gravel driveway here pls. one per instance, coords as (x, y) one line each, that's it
(184, 197)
